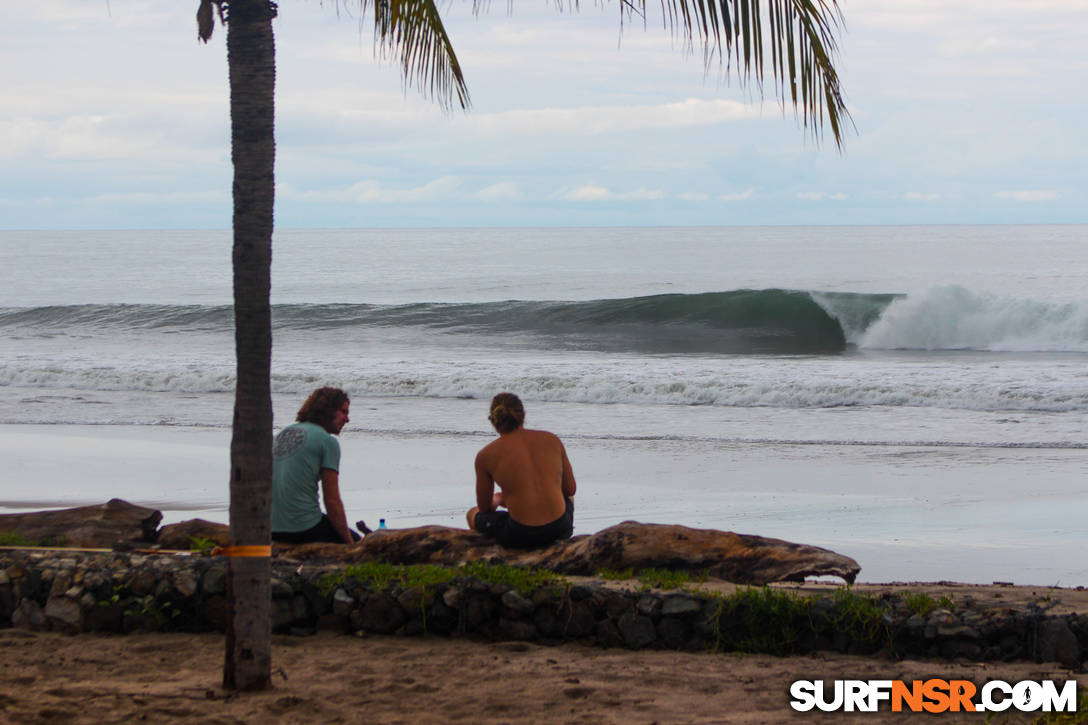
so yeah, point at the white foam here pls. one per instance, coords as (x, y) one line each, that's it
(969, 381)
(956, 318)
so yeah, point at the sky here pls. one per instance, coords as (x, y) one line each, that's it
(113, 115)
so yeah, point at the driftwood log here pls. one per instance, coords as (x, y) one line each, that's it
(103, 525)
(185, 534)
(739, 558)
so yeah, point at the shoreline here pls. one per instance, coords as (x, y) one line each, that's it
(899, 512)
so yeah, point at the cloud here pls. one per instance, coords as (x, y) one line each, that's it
(919, 196)
(596, 120)
(24, 202)
(1029, 196)
(590, 192)
(502, 191)
(738, 196)
(186, 136)
(372, 192)
(389, 118)
(820, 195)
(171, 197)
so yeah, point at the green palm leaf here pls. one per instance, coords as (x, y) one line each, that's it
(413, 30)
(797, 35)
(791, 40)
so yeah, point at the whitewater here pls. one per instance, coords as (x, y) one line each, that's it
(895, 393)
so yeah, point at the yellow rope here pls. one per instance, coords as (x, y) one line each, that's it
(232, 551)
(95, 551)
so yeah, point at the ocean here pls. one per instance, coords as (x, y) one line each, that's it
(914, 397)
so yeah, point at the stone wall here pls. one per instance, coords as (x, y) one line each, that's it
(120, 592)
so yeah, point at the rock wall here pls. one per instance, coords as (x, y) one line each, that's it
(124, 592)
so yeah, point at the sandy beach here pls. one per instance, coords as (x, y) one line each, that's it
(336, 678)
(331, 677)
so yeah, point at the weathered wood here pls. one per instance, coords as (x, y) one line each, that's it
(102, 525)
(182, 535)
(739, 558)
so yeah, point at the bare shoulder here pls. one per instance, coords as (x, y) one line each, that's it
(543, 437)
(489, 450)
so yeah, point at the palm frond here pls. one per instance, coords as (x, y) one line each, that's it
(791, 40)
(205, 21)
(413, 31)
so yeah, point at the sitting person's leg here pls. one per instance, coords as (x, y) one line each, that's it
(520, 536)
(321, 532)
(491, 524)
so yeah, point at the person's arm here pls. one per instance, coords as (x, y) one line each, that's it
(569, 485)
(334, 506)
(485, 487)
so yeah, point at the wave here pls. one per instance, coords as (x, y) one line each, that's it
(740, 321)
(770, 321)
(956, 318)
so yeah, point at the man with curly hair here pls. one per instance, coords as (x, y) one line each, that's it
(535, 479)
(303, 454)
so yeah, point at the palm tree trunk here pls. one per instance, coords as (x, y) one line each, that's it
(251, 58)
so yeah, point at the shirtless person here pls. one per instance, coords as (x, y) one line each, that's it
(535, 480)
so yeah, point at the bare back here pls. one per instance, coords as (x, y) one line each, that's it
(532, 469)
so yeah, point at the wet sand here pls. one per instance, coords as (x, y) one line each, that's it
(974, 515)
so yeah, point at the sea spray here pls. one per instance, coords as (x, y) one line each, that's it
(956, 318)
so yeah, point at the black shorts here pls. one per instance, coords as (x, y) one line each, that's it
(322, 531)
(500, 526)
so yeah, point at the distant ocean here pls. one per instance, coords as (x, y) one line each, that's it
(889, 392)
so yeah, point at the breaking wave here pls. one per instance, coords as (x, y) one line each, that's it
(770, 321)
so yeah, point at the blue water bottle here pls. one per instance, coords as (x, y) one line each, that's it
(381, 523)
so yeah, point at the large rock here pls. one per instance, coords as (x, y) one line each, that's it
(87, 526)
(740, 558)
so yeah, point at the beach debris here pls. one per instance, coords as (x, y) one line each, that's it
(102, 525)
(738, 558)
(182, 535)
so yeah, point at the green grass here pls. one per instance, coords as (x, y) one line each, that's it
(762, 620)
(383, 576)
(919, 603)
(655, 578)
(862, 617)
(666, 579)
(615, 574)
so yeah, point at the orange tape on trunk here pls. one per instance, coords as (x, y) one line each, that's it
(243, 551)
